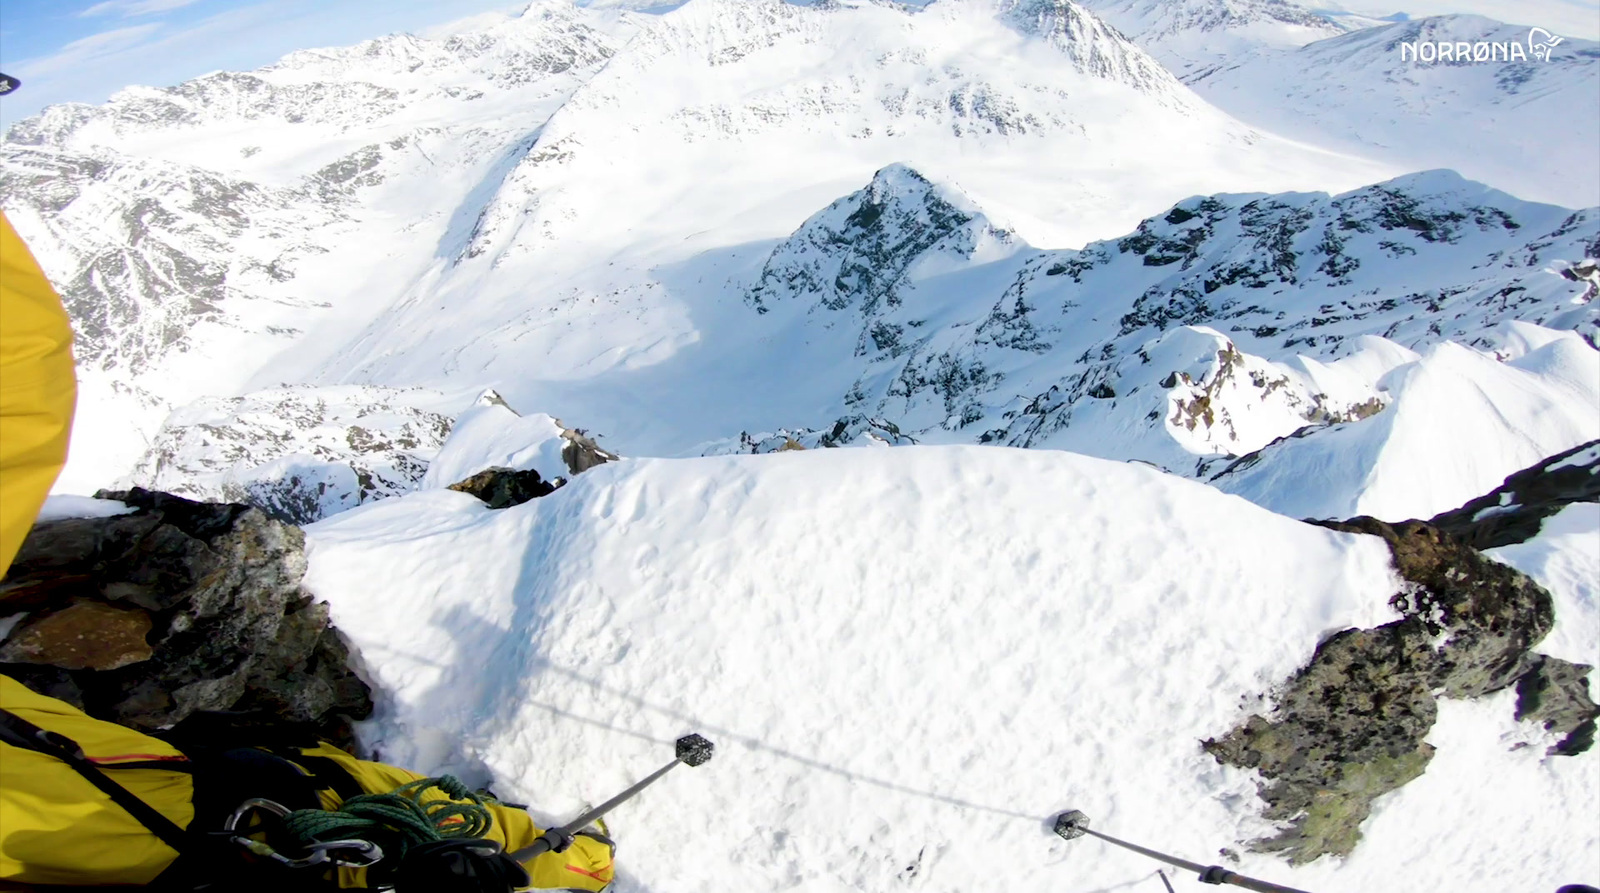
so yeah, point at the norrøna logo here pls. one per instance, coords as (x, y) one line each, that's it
(1541, 44)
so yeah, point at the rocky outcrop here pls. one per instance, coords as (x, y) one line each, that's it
(1350, 726)
(173, 611)
(1555, 694)
(505, 487)
(581, 453)
(1513, 512)
(297, 453)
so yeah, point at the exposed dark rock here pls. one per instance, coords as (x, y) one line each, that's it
(581, 453)
(505, 487)
(1348, 728)
(203, 520)
(183, 607)
(1350, 725)
(1513, 512)
(1555, 693)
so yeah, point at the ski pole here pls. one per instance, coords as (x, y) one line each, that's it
(692, 750)
(1073, 824)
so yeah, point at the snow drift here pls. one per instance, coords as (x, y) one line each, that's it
(1458, 422)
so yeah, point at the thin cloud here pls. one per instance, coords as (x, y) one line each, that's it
(86, 50)
(131, 8)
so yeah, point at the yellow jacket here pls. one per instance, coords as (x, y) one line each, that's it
(37, 390)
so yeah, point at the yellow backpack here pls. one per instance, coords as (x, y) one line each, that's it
(90, 803)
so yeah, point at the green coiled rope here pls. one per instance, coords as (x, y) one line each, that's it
(399, 819)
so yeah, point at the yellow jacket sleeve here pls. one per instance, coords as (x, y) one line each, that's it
(37, 390)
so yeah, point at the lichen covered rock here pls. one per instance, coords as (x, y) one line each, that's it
(178, 609)
(1350, 725)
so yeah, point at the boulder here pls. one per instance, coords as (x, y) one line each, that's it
(179, 609)
(581, 453)
(1555, 694)
(84, 636)
(502, 487)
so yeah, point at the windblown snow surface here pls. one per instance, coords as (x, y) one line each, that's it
(1408, 461)
(911, 660)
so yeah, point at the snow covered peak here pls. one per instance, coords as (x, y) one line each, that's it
(900, 227)
(1458, 91)
(1191, 37)
(1208, 332)
(1091, 43)
(1152, 18)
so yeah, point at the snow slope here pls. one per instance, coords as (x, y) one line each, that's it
(1565, 559)
(1194, 37)
(1409, 460)
(910, 659)
(1525, 126)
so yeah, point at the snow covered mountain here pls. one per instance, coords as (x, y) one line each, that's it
(1193, 37)
(1506, 117)
(903, 313)
(1211, 330)
(749, 226)
(357, 191)
(197, 231)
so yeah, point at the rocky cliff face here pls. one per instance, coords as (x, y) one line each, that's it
(177, 609)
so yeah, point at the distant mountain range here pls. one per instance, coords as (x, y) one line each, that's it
(612, 216)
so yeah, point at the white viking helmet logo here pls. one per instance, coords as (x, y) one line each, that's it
(1541, 43)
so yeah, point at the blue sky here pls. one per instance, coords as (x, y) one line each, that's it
(85, 50)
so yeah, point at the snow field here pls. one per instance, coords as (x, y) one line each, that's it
(909, 657)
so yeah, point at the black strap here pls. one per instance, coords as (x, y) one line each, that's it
(18, 732)
(329, 774)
